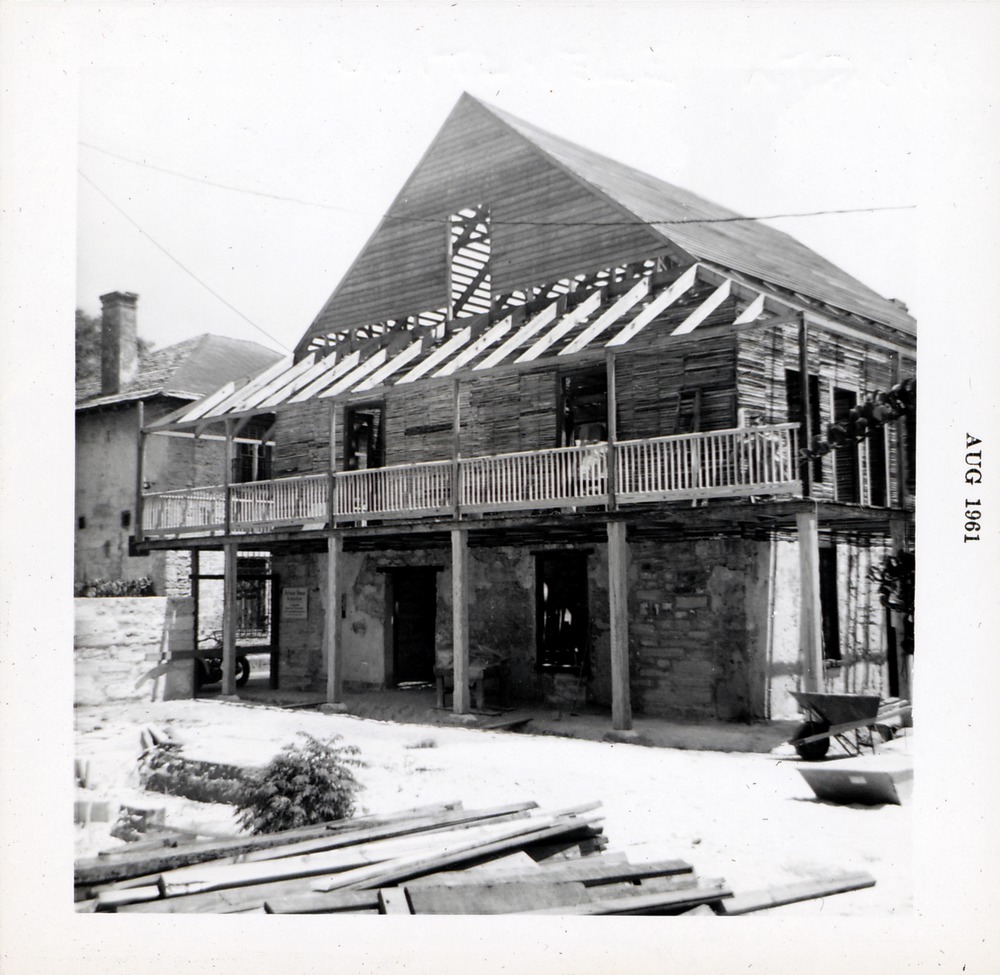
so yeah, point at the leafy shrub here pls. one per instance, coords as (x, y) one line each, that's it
(100, 588)
(164, 769)
(303, 785)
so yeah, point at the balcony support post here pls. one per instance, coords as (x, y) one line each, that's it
(228, 478)
(456, 448)
(333, 648)
(140, 476)
(331, 488)
(460, 617)
(904, 658)
(807, 430)
(612, 434)
(810, 611)
(229, 620)
(621, 699)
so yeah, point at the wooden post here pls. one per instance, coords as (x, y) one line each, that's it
(621, 699)
(456, 448)
(331, 488)
(333, 650)
(139, 472)
(612, 434)
(229, 621)
(807, 430)
(460, 617)
(810, 612)
(229, 476)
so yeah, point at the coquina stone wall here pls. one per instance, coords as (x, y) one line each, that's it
(133, 649)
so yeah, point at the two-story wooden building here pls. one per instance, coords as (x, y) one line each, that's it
(553, 414)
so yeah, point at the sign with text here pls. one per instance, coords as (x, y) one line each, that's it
(295, 603)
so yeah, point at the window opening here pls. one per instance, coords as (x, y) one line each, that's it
(81, 522)
(584, 410)
(469, 251)
(878, 475)
(252, 462)
(126, 519)
(364, 445)
(687, 419)
(829, 604)
(793, 398)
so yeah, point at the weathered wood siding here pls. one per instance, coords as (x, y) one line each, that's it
(845, 362)
(477, 159)
(302, 439)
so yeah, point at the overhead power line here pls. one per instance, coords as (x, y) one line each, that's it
(182, 266)
(735, 218)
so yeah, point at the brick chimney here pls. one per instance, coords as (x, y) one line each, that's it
(119, 341)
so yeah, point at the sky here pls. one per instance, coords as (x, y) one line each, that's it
(766, 109)
(762, 107)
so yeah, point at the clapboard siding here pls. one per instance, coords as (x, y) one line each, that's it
(765, 353)
(402, 270)
(302, 439)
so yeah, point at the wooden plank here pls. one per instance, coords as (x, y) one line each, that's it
(659, 304)
(869, 787)
(716, 298)
(356, 375)
(591, 871)
(526, 332)
(512, 898)
(393, 900)
(328, 371)
(616, 311)
(394, 364)
(490, 337)
(110, 900)
(621, 700)
(793, 893)
(201, 408)
(403, 868)
(563, 326)
(280, 382)
(438, 356)
(707, 892)
(752, 312)
(338, 901)
(237, 401)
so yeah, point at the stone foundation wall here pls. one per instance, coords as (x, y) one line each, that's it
(133, 649)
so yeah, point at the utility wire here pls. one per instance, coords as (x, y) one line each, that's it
(183, 267)
(735, 218)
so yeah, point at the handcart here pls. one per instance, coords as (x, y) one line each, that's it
(847, 718)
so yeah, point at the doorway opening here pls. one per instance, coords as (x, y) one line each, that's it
(562, 615)
(412, 603)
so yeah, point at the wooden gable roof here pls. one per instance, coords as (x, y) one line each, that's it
(558, 210)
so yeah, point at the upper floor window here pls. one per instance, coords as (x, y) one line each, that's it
(584, 410)
(796, 414)
(469, 249)
(251, 462)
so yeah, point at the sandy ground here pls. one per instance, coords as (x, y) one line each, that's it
(748, 818)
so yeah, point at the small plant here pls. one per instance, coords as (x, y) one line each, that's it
(422, 743)
(304, 784)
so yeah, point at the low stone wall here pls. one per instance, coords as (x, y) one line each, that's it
(133, 649)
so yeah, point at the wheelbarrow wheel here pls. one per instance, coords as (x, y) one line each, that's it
(812, 751)
(242, 671)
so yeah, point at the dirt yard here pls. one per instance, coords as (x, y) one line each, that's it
(748, 818)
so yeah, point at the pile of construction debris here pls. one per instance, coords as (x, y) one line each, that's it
(439, 859)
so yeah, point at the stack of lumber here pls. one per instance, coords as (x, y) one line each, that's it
(439, 859)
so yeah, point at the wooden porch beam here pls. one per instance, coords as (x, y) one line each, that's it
(659, 304)
(522, 335)
(716, 298)
(331, 371)
(566, 324)
(208, 403)
(810, 611)
(490, 337)
(393, 365)
(140, 478)
(621, 699)
(237, 402)
(437, 357)
(356, 375)
(460, 617)
(333, 650)
(632, 297)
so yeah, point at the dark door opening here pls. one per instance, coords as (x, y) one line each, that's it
(829, 603)
(584, 412)
(364, 445)
(563, 623)
(845, 459)
(413, 594)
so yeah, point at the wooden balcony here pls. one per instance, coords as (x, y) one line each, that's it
(724, 464)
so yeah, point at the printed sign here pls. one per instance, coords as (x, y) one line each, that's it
(295, 604)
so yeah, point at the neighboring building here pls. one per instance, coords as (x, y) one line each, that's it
(134, 389)
(555, 413)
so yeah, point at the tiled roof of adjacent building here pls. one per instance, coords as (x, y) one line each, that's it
(188, 370)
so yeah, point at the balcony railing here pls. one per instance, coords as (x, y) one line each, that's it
(726, 463)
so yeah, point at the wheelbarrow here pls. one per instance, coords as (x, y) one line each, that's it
(837, 716)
